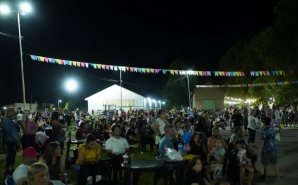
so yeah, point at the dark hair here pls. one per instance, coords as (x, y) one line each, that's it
(192, 139)
(160, 112)
(89, 138)
(266, 121)
(177, 121)
(237, 129)
(238, 143)
(50, 150)
(55, 116)
(114, 127)
(190, 165)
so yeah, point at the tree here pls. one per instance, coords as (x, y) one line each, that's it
(69, 106)
(273, 49)
(175, 91)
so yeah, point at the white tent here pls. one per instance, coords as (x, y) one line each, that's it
(110, 98)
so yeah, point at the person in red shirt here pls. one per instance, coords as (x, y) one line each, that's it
(151, 113)
(83, 131)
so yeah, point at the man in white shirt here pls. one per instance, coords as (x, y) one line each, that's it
(29, 157)
(117, 146)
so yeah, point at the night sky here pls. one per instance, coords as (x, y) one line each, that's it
(122, 33)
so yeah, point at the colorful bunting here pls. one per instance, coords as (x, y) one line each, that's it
(248, 85)
(135, 69)
(267, 73)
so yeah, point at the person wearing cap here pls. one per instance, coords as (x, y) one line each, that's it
(29, 157)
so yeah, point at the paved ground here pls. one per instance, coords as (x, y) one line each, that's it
(287, 157)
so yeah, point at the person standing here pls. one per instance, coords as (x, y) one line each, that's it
(252, 128)
(268, 147)
(11, 137)
(159, 125)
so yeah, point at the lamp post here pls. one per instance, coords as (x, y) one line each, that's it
(59, 101)
(24, 8)
(71, 85)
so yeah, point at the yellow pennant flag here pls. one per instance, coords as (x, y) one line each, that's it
(59, 61)
(98, 66)
(41, 59)
(147, 70)
(196, 73)
(74, 63)
(200, 73)
(172, 72)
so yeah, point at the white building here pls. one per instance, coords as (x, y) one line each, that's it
(20, 106)
(110, 98)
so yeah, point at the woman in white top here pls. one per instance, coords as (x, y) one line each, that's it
(159, 125)
(277, 116)
(252, 127)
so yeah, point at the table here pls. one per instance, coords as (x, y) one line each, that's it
(141, 165)
(178, 162)
(73, 141)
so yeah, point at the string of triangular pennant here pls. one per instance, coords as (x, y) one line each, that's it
(134, 69)
(248, 85)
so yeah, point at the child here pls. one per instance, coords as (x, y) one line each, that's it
(243, 164)
(218, 152)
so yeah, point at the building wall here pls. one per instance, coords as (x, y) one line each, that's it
(112, 96)
(33, 106)
(201, 94)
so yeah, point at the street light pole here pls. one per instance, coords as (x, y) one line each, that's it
(188, 90)
(22, 65)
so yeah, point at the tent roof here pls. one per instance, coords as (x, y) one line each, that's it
(111, 87)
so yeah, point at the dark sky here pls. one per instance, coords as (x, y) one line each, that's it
(126, 33)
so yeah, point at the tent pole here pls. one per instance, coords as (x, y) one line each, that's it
(121, 89)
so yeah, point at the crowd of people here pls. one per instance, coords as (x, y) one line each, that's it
(216, 158)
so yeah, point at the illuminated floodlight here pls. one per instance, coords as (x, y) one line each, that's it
(25, 8)
(71, 85)
(4, 9)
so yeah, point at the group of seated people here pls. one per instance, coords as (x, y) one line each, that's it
(50, 167)
(213, 156)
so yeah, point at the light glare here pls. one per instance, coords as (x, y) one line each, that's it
(4, 9)
(71, 85)
(25, 7)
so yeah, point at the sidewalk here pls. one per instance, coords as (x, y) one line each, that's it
(287, 150)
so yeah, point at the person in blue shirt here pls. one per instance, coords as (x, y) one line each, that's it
(268, 147)
(166, 140)
(11, 139)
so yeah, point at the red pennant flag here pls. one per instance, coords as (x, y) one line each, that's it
(291, 71)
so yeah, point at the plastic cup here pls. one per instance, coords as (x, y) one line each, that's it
(125, 159)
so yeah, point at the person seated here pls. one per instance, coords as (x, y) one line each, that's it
(38, 174)
(166, 141)
(117, 146)
(82, 131)
(54, 161)
(243, 164)
(193, 173)
(211, 140)
(89, 154)
(197, 147)
(218, 152)
(29, 157)
(178, 130)
(250, 153)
